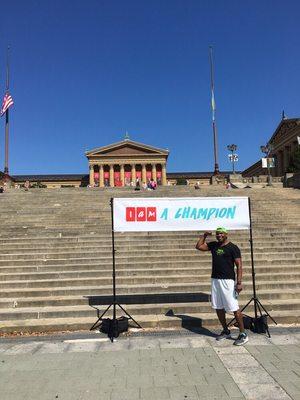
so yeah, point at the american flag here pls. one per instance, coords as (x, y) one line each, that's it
(7, 102)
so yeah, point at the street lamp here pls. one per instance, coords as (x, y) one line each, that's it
(267, 151)
(233, 157)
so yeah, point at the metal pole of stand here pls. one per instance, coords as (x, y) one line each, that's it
(252, 260)
(114, 304)
(114, 267)
(257, 304)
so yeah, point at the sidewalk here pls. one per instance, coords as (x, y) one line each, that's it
(173, 365)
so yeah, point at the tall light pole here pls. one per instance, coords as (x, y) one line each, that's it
(267, 151)
(232, 148)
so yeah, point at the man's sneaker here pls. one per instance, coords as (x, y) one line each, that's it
(225, 334)
(242, 339)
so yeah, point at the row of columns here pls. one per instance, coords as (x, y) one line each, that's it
(282, 158)
(122, 174)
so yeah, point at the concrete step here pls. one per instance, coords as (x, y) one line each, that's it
(262, 274)
(146, 321)
(148, 253)
(271, 296)
(77, 311)
(93, 288)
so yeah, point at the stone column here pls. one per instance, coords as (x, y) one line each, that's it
(286, 155)
(101, 176)
(133, 173)
(111, 176)
(92, 180)
(154, 176)
(144, 178)
(122, 174)
(163, 175)
(276, 169)
(280, 163)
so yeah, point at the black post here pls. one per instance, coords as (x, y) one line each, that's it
(114, 263)
(252, 260)
(114, 304)
(257, 304)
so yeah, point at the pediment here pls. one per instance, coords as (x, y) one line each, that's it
(285, 126)
(126, 148)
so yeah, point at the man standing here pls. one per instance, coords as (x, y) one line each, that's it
(224, 290)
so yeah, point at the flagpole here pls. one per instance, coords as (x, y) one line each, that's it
(213, 106)
(6, 114)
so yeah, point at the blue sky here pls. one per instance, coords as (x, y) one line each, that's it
(84, 73)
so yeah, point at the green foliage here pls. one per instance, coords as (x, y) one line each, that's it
(294, 165)
(38, 185)
(181, 181)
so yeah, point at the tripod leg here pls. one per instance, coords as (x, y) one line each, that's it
(130, 317)
(98, 322)
(233, 319)
(266, 311)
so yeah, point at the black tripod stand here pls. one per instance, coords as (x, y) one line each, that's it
(258, 307)
(114, 304)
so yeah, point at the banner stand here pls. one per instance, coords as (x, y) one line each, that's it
(114, 304)
(256, 303)
(258, 307)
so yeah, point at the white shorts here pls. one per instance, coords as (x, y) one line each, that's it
(223, 295)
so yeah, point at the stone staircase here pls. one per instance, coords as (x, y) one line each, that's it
(55, 253)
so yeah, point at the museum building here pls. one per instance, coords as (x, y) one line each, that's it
(121, 164)
(125, 162)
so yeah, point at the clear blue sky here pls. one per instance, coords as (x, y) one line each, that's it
(82, 73)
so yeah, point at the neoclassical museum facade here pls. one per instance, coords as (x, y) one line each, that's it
(283, 143)
(123, 163)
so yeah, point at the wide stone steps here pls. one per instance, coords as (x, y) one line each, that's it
(77, 311)
(268, 297)
(141, 288)
(262, 273)
(55, 252)
(50, 272)
(98, 245)
(146, 321)
(152, 255)
(138, 262)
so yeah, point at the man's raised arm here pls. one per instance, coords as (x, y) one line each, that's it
(201, 244)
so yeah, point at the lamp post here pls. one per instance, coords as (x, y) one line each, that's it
(232, 148)
(267, 151)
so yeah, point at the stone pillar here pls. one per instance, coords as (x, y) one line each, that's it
(154, 176)
(163, 175)
(276, 169)
(101, 176)
(286, 157)
(92, 180)
(122, 174)
(111, 176)
(133, 173)
(144, 178)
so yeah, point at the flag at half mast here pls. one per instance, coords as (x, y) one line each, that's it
(7, 102)
(213, 103)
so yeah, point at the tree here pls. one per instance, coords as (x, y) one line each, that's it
(294, 165)
(181, 181)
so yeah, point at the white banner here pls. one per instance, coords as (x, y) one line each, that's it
(180, 214)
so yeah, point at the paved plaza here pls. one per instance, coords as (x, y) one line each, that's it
(168, 365)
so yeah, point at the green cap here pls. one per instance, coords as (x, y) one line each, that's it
(221, 229)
